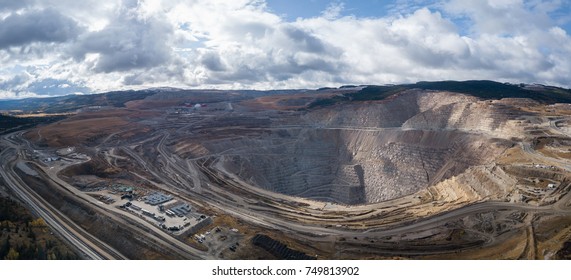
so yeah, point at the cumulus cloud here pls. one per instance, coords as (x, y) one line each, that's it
(39, 81)
(17, 82)
(515, 39)
(129, 42)
(243, 44)
(334, 10)
(11, 5)
(505, 16)
(303, 41)
(36, 26)
(212, 61)
(54, 87)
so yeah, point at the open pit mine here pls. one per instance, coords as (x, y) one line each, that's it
(449, 170)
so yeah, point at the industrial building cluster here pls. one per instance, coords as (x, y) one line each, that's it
(168, 214)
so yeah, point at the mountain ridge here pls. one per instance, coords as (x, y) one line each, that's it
(484, 89)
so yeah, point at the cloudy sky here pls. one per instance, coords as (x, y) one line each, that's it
(57, 47)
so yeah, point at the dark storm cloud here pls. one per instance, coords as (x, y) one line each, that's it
(36, 26)
(128, 42)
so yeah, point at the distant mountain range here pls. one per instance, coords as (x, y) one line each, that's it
(481, 89)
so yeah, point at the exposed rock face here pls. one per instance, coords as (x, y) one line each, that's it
(355, 167)
(371, 151)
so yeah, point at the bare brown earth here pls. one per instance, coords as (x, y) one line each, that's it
(90, 128)
(422, 174)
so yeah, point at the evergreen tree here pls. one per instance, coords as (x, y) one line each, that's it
(41, 253)
(5, 248)
(32, 235)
